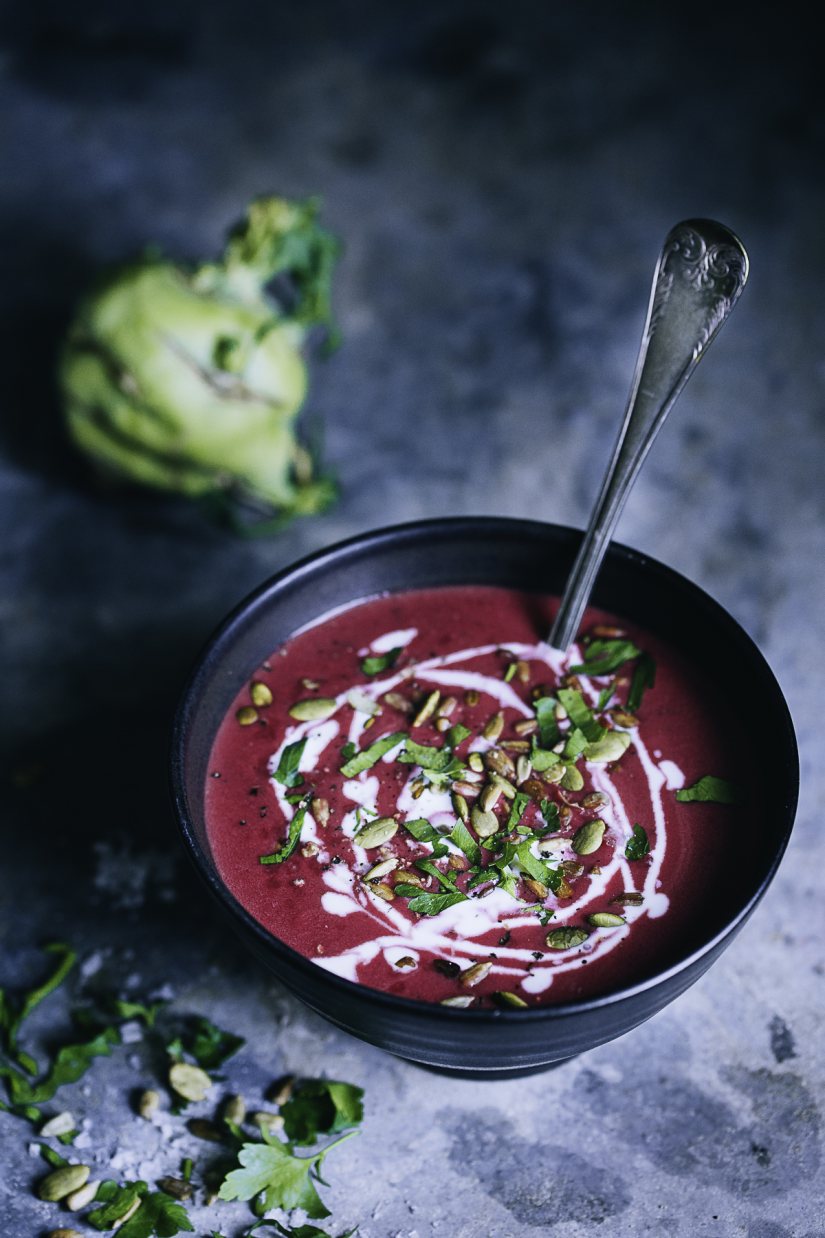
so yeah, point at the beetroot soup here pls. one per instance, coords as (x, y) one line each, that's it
(420, 795)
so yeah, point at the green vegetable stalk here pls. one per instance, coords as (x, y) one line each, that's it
(191, 380)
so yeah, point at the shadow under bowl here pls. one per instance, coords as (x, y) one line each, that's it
(514, 554)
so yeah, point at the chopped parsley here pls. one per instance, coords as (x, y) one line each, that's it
(425, 904)
(321, 1107)
(206, 1043)
(422, 831)
(603, 656)
(292, 839)
(639, 845)
(376, 663)
(549, 733)
(465, 842)
(287, 772)
(644, 677)
(708, 790)
(580, 714)
(157, 1214)
(359, 761)
(517, 809)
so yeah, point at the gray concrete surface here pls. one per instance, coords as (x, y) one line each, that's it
(502, 179)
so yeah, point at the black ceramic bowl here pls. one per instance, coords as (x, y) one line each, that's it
(517, 554)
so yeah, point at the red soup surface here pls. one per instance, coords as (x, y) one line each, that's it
(420, 795)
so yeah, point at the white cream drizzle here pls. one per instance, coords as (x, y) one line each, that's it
(453, 933)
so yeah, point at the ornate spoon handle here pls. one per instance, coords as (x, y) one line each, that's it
(701, 271)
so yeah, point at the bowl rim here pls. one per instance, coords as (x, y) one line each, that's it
(212, 652)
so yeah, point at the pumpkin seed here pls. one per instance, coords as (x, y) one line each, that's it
(524, 768)
(412, 878)
(493, 727)
(475, 974)
(489, 797)
(380, 869)
(595, 799)
(460, 807)
(471, 697)
(505, 998)
(363, 703)
(374, 833)
(507, 789)
(178, 1188)
(528, 726)
(614, 745)
(62, 1182)
(500, 763)
(188, 1081)
(572, 779)
(624, 718)
(64, 1233)
(313, 708)
(202, 1128)
(537, 888)
(606, 919)
(60, 1124)
(280, 1092)
(396, 701)
(261, 693)
(476, 762)
(80, 1198)
(589, 837)
(464, 788)
(571, 868)
(566, 938)
(270, 1122)
(148, 1103)
(320, 810)
(485, 824)
(234, 1109)
(442, 725)
(427, 709)
(446, 707)
(522, 671)
(246, 715)
(461, 1003)
(383, 891)
(630, 898)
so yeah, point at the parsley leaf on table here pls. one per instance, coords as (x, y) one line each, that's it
(14, 1014)
(158, 1216)
(284, 1180)
(321, 1107)
(207, 1043)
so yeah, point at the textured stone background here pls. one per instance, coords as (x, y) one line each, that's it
(502, 178)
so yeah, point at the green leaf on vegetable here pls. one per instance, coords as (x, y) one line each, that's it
(465, 842)
(709, 790)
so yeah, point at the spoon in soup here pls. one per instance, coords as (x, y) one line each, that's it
(700, 274)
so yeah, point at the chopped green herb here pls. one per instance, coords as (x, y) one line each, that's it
(287, 772)
(292, 839)
(639, 845)
(708, 790)
(644, 676)
(158, 1214)
(517, 809)
(321, 1107)
(457, 734)
(580, 714)
(13, 1014)
(422, 831)
(603, 656)
(543, 760)
(510, 672)
(446, 880)
(206, 1043)
(424, 904)
(348, 751)
(285, 1181)
(465, 842)
(605, 695)
(368, 756)
(69, 1064)
(550, 813)
(575, 744)
(549, 733)
(376, 663)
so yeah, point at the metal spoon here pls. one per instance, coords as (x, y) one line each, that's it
(701, 271)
